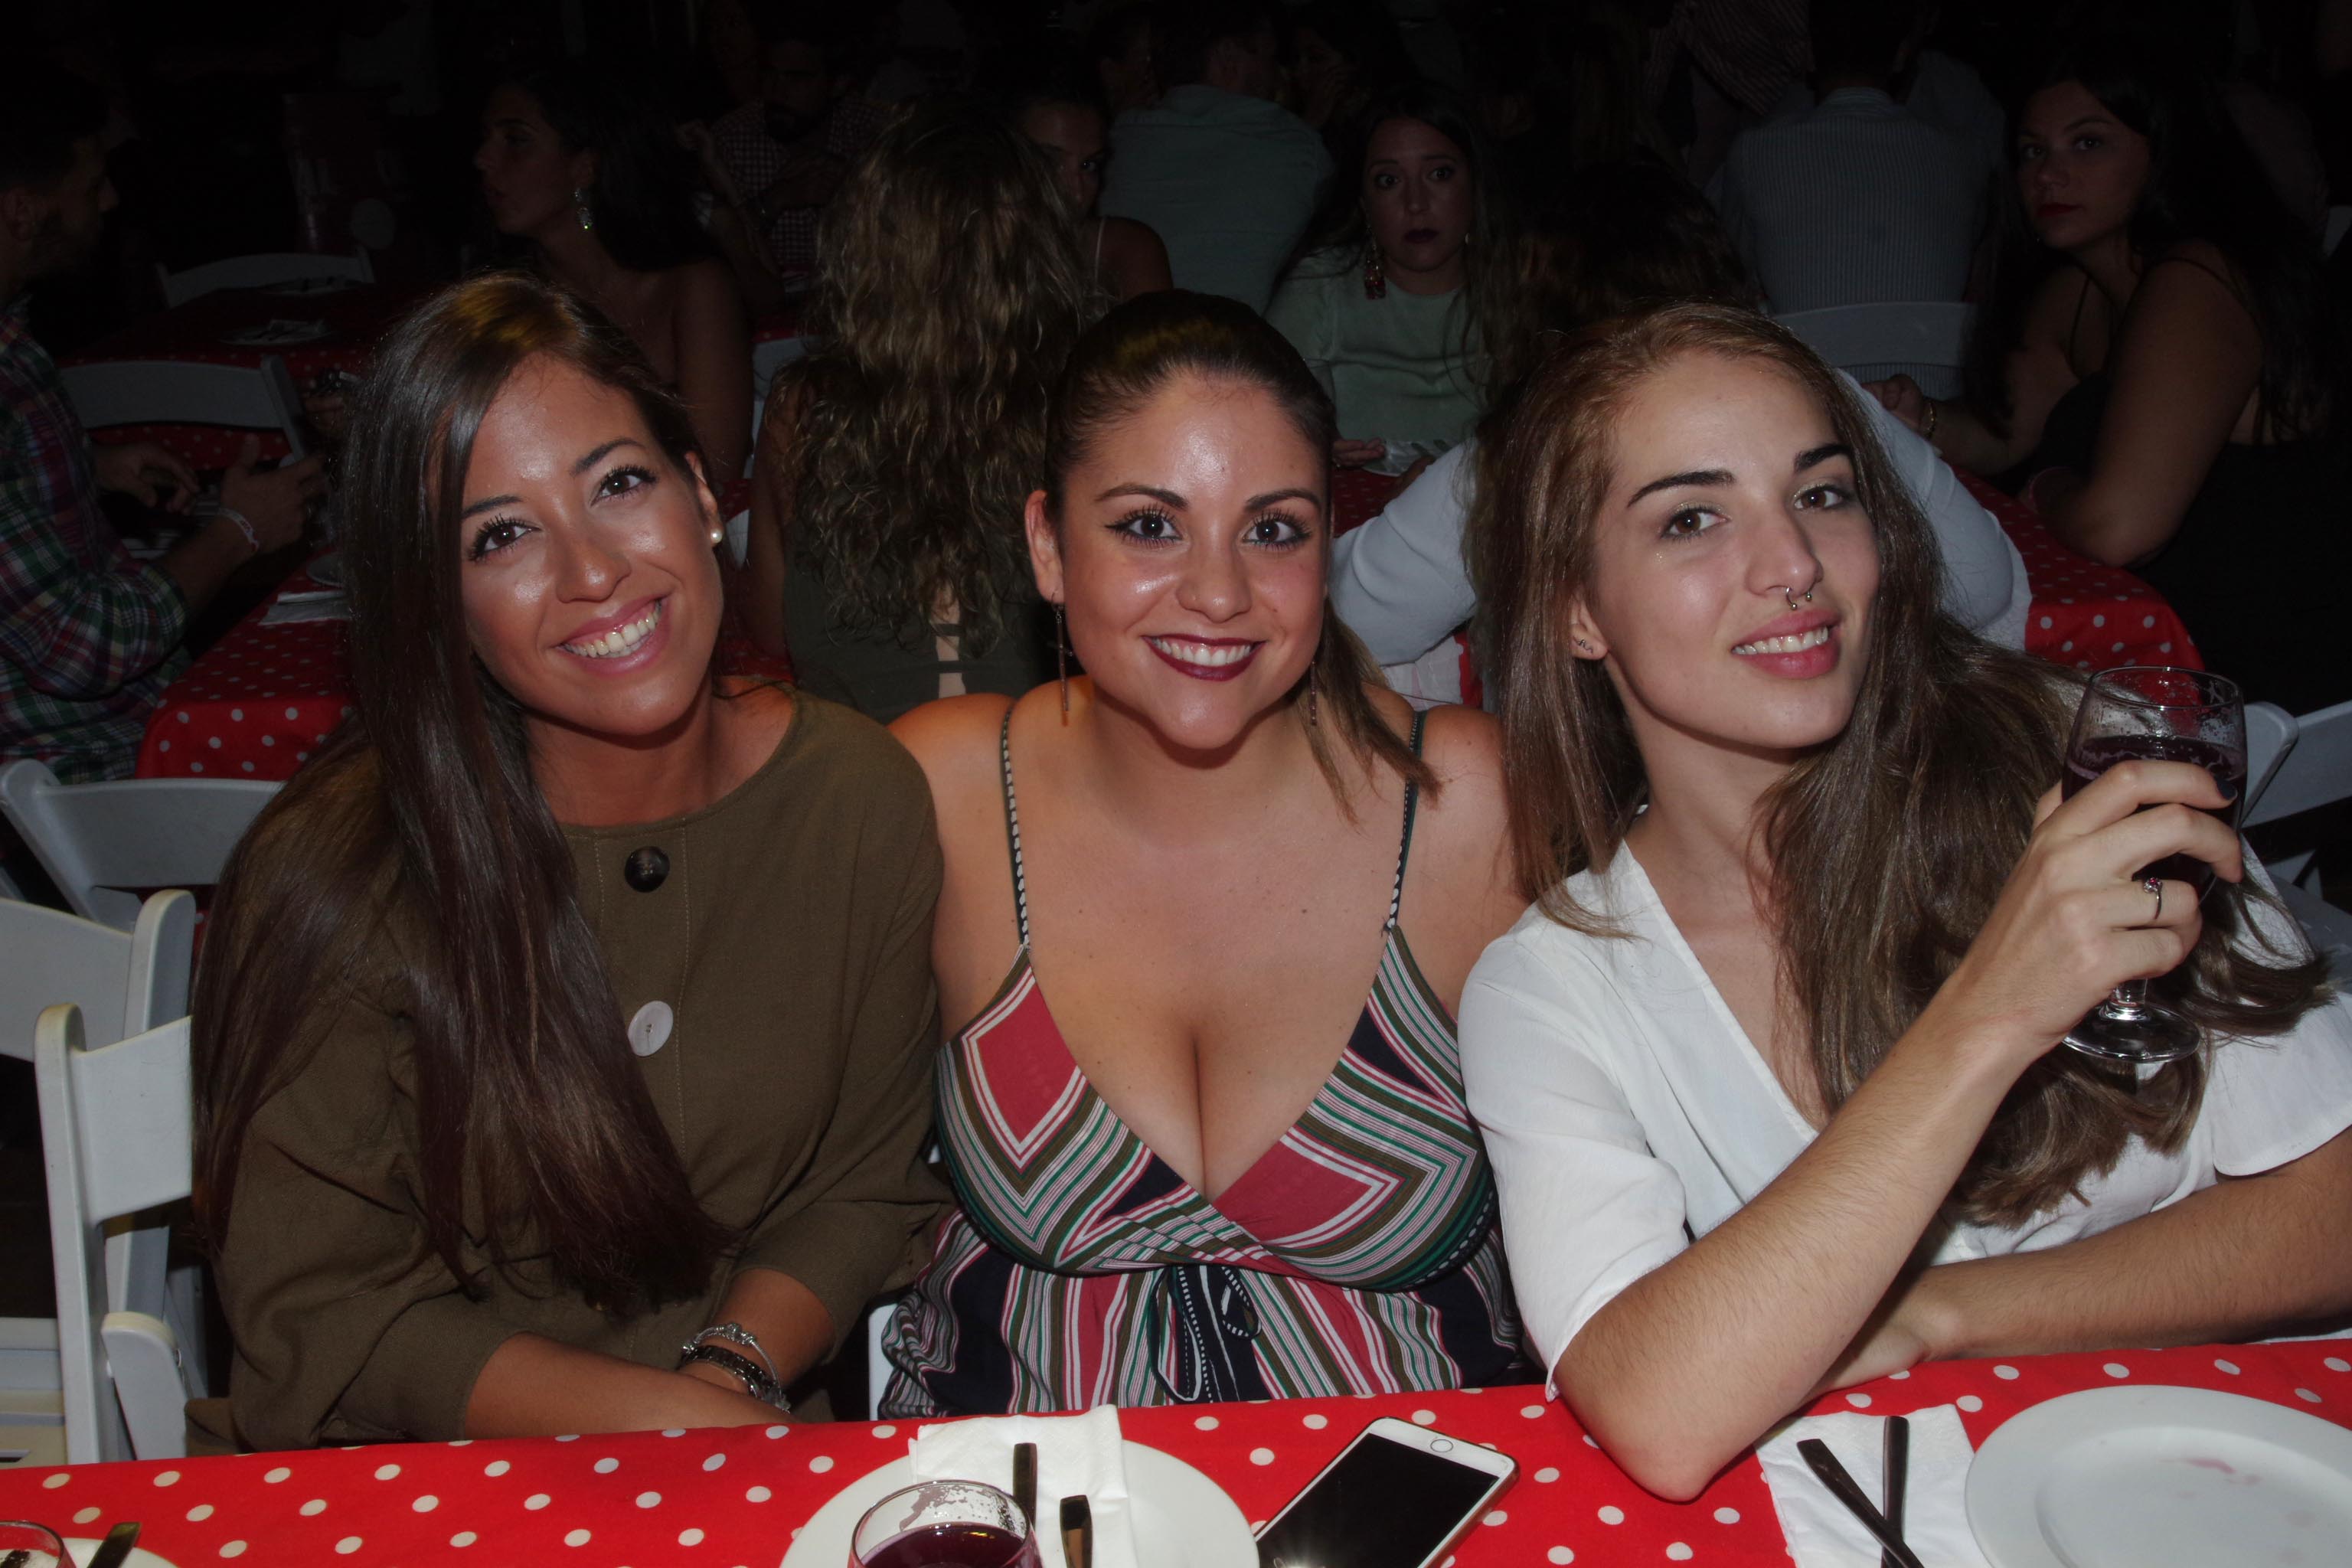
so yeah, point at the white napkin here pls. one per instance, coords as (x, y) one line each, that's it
(308, 605)
(1074, 1454)
(1822, 1534)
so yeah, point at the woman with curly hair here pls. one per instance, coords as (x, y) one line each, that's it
(886, 547)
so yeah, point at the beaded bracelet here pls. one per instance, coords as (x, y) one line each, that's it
(243, 524)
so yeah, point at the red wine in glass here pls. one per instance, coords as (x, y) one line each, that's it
(2157, 714)
(960, 1545)
(944, 1524)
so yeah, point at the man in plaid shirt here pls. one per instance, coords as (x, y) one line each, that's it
(89, 636)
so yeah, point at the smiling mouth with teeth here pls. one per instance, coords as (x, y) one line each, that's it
(621, 639)
(1796, 642)
(1209, 656)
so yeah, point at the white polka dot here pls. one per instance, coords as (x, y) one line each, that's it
(427, 1504)
(385, 1472)
(232, 1549)
(2163, 648)
(2098, 620)
(2067, 647)
(2336, 1363)
(2306, 1396)
(886, 1430)
(163, 745)
(1548, 1475)
(1205, 1423)
(1560, 1554)
(290, 713)
(277, 1475)
(347, 1544)
(198, 1514)
(1496, 1517)
(1532, 1412)
(314, 1508)
(1859, 1401)
(673, 1431)
(758, 1494)
(1315, 1423)
(1677, 1552)
(1727, 1515)
(536, 1501)
(496, 1467)
(2118, 648)
(1898, 1376)
(2006, 1373)
(454, 1442)
(271, 741)
(302, 756)
(822, 1463)
(1970, 1402)
(2116, 1369)
(2228, 1366)
(195, 767)
(2149, 621)
(1589, 1442)
(2045, 627)
(62, 1477)
(607, 1465)
(778, 1431)
(247, 766)
(86, 1515)
(237, 714)
(689, 1538)
(214, 742)
(1261, 1456)
(163, 1479)
(575, 1538)
(1612, 1514)
(1424, 1417)
(464, 1537)
(649, 1499)
(713, 1462)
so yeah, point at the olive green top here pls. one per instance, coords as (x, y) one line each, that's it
(790, 941)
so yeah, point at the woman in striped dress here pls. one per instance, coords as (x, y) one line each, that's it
(1231, 1159)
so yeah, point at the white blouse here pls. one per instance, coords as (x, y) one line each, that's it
(1627, 1113)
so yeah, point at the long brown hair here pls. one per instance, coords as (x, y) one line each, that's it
(420, 827)
(1121, 364)
(1888, 847)
(948, 292)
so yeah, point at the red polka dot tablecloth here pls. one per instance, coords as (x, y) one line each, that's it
(2085, 614)
(733, 1499)
(255, 705)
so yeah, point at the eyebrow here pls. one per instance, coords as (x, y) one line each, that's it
(1811, 457)
(489, 504)
(1175, 502)
(1815, 456)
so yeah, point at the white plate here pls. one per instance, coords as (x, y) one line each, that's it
(1182, 1518)
(82, 1546)
(327, 569)
(2158, 1477)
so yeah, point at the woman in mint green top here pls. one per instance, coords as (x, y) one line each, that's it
(1393, 307)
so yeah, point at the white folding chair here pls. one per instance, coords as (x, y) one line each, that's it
(185, 392)
(768, 356)
(1930, 334)
(2314, 771)
(261, 272)
(97, 840)
(2270, 734)
(115, 1136)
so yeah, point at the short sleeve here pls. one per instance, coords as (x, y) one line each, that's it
(2276, 1098)
(1588, 1207)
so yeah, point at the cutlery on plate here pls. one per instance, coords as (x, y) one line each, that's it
(1025, 1481)
(1832, 1474)
(117, 1546)
(1897, 1468)
(1077, 1533)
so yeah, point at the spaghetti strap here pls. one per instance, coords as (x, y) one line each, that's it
(1012, 825)
(1404, 850)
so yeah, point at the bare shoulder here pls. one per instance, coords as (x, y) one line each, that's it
(1464, 748)
(704, 283)
(2194, 275)
(955, 742)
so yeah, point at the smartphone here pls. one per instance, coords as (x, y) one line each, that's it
(1400, 1496)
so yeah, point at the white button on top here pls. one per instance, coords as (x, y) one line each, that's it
(649, 1030)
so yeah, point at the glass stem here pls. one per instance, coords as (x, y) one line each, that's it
(2129, 1000)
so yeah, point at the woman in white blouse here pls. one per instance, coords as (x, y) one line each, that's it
(1767, 1075)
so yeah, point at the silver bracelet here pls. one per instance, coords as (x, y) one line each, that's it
(738, 1334)
(243, 524)
(743, 1370)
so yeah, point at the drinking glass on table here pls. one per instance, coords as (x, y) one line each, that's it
(2168, 716)
(24, 1544)
(944, 1524)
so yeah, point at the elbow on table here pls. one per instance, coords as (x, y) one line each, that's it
(1647, 1440)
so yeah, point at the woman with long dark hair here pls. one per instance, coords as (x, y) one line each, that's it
(1230, 1159)
(2164, 356)
(1771, 1075)
(885, 551)
(572, 1005)
(574, 162)
(1399, 305)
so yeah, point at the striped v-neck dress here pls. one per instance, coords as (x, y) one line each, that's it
(1360, 1254)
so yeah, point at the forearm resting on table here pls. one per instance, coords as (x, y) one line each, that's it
(2252, 1255)
(1692, 1363)
(534, 1387)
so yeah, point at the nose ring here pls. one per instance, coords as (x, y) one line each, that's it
(1790, 594)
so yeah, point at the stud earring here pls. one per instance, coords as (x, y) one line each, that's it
(580, 209)
(718, 536)
(1062, 661)
(1585, 645)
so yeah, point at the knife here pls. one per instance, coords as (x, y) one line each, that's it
(1897, 1466)
(1077, 1533)
(116, 1547)
(1832, 1474)
(1025, 1481)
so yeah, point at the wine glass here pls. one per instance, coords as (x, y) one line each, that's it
(2165, 715)
(28, 1546)
(944, 1524)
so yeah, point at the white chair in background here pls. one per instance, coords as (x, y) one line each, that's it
(116, 1141)
(97, 840)
(185, 392)
(124, 984)
(261, 272)
(1927, 334)
(2340, 222)
(2270, 734)
(768, 356)
(2314, 771)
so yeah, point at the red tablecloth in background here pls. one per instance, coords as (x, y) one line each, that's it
(2085, 614)
(732, 1497)
(354, 318)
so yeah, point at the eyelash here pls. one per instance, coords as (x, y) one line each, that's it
(1836, 498)
(1126, 526)
(482, 546)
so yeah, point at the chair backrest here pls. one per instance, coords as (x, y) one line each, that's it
(2340, 222)
(124, 981)
(2270, 734)
(97, 840)
(1921, 332)
(2316, 771)
(261, 272)
(116, 1143)
(186, 392)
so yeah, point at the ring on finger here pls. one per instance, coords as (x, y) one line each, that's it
(2155, 884)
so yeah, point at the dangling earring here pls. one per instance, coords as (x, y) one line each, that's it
(1376, 278)
(1062, 661)
(582, 210)
(1314, 715)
